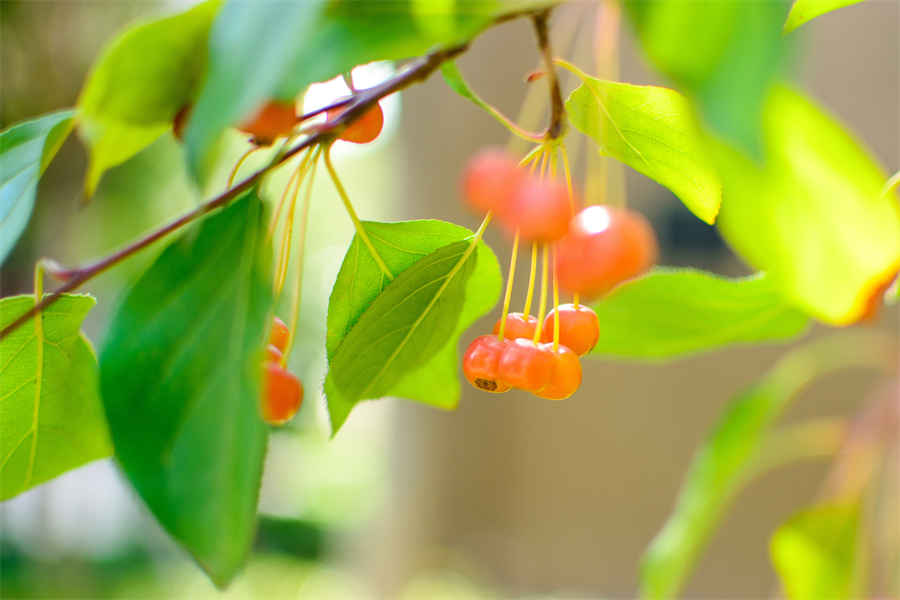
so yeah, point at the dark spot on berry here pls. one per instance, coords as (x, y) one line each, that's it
(486, 384)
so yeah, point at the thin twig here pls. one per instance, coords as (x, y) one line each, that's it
(557, 108)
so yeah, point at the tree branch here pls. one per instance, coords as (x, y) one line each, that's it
(557, 107)
(325, 133)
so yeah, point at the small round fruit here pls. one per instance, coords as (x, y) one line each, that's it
(579, 328)
(566, 376)
(363, 130)
(273, 354)
(490, 180)
(539, 209)
(480, 363)
(279, 334)
(283, 394)
(525, 365)
(273, 119)
(604, 247)
(518, 325)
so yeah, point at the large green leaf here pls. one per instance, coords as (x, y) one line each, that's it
(730, 453)
(673, 312)
(654, 131)
(25, 151)
(180, 379)
(400, 339)
(269, 49)
(51, 419)
(806, 10)
(723, 54)
(141, 81)
(817, 552)
(814, 216)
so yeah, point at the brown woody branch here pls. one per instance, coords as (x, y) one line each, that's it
(354, 107)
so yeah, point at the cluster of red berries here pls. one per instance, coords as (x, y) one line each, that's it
(282, 391)
(594, 250)
(513, 359)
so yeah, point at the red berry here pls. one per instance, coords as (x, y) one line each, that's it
(517, 326)
(480, 363)
(279, 335)
(273, 354)
(272, 120)
(539, 209)
(490, 180)
(363, 130)
(283, 394)
(604, 247)
(579, 328)
(566, 377)
(525, 365)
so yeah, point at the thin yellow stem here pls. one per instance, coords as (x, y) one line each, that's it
(360, 230)
(568, 174)
(555, 306)
(542, 306)
(533, 154)
(544, 155)
(576, 299)
(277, 216)
(529, 295)
(284, 249)
(238, 164)
(298, 286)
(509, 285)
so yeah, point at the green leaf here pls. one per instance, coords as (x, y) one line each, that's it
(274, 49)
(723, 55)
(400, 339)
(180, 379)
(814, 216)
(143, 78)
(654, 131)
(729, 455)
(51, 419)
(817, 552)
(673, 312)
(806, 10)
(25, 151)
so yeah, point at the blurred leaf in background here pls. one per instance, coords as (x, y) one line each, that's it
(724, 55)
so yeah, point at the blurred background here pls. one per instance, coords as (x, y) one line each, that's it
(507, 496)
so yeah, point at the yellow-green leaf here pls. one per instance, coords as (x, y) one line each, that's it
(675, 312)
(51, 419)
(813, 216)
(143, 78)
(654, 131)
(817, 552)
(806, 10)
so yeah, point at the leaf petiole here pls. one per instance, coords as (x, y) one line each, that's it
(360, 230)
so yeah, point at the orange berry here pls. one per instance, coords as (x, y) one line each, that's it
(579, 328)
(363, 130)
(490, 180)
(525, 365)
(480, 363)
(539, 209)
(518, 325)
(566, 376)
(279, 335)
(604, 247)
(273, 354)
(282, 395)
(272, 120)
